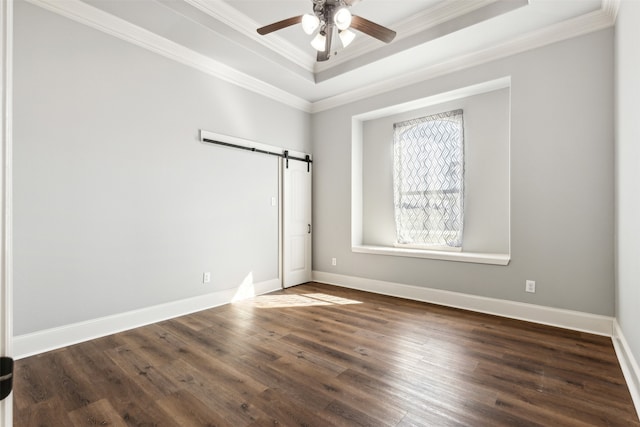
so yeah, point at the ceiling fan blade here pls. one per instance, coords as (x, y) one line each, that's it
(371, 28)
(279, 25)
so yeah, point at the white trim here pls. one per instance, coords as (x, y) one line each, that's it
(628, 363)
(611, 7)
(473, 257)
(425, 247)
(439, 98)
(422, 21)
(240, 22)
(357, 122)
(6, 201)
(575, 27)
(568, 319)
(107, 23)
(54, 338)
(95, 18)
(439, 13)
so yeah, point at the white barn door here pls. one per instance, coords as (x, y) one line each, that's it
(296, 223)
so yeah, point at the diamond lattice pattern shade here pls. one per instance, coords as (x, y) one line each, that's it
(429, 181)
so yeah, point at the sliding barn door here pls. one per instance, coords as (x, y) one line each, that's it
(296, 223)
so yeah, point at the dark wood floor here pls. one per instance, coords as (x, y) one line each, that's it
(321, 355)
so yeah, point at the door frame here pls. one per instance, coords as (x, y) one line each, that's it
(6, 113)
(258, 147)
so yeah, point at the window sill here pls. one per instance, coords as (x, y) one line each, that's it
(473, 257)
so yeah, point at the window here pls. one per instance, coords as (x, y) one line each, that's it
(429, 181)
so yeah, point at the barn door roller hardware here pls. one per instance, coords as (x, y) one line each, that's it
(284, 155)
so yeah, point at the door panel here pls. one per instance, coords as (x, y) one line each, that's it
(296, 223)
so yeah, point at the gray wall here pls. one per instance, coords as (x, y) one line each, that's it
(628, 173)
(562, 186)
(117, 206)
(486, 172)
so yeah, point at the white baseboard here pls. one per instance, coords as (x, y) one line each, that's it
(628, 364)
(51, 339)
(568, 319)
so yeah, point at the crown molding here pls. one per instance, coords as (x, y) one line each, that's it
(438, 14)
(419, 22)
(88, 15)
(590, 22)
(431, 17)
(611, 7)
(107, 23)
(235, 19)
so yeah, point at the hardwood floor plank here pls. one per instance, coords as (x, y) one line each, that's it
(184, 409)
(539, 415)
(99, 413)
(46, 413)
(284, 411)
(431, 418)
(67, 381)
(35, 388)
(553, 395)
(343, 414)
(319, 355)
(149, 378)
(155, 343)
(230, 397)
(107, 380)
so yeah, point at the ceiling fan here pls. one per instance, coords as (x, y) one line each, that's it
(331, 17)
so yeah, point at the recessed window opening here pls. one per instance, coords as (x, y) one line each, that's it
(429, 181)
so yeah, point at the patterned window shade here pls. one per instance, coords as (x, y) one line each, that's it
(429, 181)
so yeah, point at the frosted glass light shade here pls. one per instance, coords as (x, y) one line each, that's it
(319, 42)
(342, 18)
(310, 23)
(346, 37)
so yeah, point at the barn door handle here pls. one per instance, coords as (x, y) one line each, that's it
(308, 228)
(6, 376)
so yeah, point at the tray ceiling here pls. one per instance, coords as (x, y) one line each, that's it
(434, 37)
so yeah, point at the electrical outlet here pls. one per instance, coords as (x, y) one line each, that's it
(206, 277)
(530, 286)
(333, 261)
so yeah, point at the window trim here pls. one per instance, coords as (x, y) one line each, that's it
(472, 257)
(357, 120)
(425, 247)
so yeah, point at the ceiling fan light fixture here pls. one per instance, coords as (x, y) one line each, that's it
(346, 37)
(330, 20)
(342, 18)
(318, 42)
(310, 23)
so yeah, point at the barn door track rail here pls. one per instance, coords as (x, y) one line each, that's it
(233, 142)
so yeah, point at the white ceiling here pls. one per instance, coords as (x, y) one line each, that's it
(433, 37)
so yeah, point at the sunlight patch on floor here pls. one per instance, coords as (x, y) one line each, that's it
(306, 300)
(333, 299)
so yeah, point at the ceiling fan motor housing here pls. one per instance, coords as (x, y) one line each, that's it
(326, 10)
